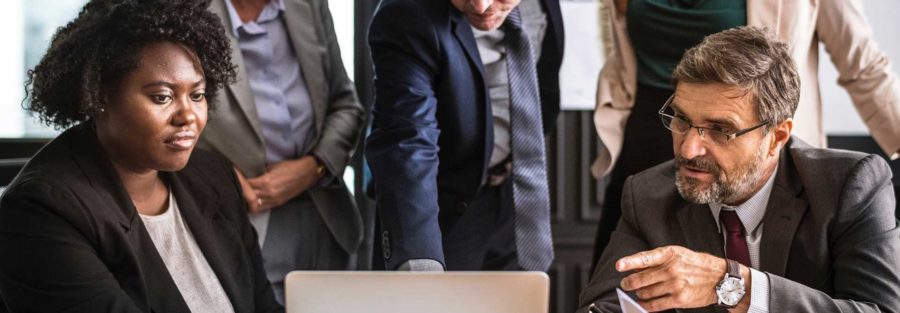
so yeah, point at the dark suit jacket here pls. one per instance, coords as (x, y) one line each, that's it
(72, 241)
(830, 241)
(432, 133)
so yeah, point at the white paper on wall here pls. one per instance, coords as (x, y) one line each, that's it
(583, 56)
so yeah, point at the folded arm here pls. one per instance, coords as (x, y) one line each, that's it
(863, 69)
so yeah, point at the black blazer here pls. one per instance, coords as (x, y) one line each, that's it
(71, 240)
(432, 133)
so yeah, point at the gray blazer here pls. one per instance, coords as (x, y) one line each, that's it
(830, 242)
(233, 129)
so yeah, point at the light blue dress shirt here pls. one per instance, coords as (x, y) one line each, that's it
(282, 100)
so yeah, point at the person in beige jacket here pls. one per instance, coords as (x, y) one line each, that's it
(864, 71)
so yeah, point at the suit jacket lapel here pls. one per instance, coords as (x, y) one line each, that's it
(241, 88)
(300, 21)
(554, 23)
(783, 214)
(463, 33)
(211, 232)
(700, 231)
(92, 160)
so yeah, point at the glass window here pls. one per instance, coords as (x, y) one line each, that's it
(27, 26)
(342, 12)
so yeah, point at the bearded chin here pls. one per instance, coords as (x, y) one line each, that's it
(698, 192)
(722, 189)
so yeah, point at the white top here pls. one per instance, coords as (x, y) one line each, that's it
(751, 214)
(196, 281)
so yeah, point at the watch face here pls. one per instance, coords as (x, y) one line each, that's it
(730, 291)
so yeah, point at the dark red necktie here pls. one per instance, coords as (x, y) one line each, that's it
(735, 242)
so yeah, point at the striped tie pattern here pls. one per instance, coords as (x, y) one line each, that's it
(531, 196)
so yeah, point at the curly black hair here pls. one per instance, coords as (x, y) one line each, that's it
(104, 43)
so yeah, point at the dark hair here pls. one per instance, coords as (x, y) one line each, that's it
(751, 59)
(103, 44)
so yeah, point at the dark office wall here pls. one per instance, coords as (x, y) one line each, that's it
(576, 199)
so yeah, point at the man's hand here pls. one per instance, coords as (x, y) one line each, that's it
(253, 203)
(285, 180)
(674, 277)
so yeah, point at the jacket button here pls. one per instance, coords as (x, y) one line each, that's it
(386, 245)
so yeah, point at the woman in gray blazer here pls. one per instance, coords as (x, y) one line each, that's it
(118, 213)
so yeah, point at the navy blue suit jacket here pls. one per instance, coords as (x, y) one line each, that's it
(432, 132)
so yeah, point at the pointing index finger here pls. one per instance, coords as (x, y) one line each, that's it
(641, 260)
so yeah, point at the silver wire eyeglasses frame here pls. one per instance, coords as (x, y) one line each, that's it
(681, 126)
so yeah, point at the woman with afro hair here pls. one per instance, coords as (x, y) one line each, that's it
(120, 213)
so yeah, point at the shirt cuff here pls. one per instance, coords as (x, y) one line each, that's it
(759, 292)
(421, 265)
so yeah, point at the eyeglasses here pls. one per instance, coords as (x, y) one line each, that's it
(681, 126)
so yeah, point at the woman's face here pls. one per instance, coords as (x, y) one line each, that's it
(153, 117)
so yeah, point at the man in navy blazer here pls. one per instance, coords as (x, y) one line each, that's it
(441, 201)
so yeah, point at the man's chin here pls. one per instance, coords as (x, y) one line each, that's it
(695, 191)
(485, 24)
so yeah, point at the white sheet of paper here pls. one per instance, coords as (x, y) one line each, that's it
(628, 304)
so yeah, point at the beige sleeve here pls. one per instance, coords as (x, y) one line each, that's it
(614, 102)
(863, 69)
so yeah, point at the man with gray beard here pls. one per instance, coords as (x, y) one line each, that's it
(722, 190)
(748, 218)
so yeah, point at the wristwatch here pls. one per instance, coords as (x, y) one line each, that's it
(730, 290)
(320, 169)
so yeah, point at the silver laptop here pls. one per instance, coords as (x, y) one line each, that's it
(416, 292)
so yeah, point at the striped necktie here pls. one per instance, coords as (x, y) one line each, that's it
(531, 196)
